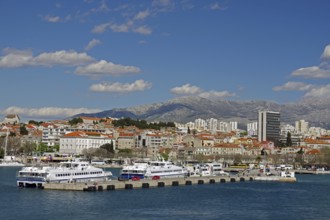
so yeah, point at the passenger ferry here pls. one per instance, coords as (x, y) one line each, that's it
(66, 172)
(151, 169)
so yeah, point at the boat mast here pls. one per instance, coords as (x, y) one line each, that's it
(6, 142)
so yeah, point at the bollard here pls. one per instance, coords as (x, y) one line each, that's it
(145, 185)
(175, 183)
(128, 186)
(111, 187)
(188, 183)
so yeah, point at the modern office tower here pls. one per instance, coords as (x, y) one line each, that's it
(301, 126)
(269, 126)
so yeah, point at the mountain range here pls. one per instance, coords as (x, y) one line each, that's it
(186, 109)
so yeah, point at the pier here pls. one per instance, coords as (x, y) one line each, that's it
(148, 183)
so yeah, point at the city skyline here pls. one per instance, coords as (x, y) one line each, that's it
(61, 58)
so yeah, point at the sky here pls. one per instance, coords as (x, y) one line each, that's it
(59, 58)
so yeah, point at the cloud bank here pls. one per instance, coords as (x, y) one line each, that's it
(116, 87)
(188, 89)
(47, 111)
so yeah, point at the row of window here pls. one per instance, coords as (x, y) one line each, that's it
(78, 174)
(166, 171)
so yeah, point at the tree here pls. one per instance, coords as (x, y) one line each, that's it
(22, 130)
(288, 139)
(237, 158)
(258, 159)
(108, 147)
(2, 153)
(188, 130)
(75, 121)
(35, 122)
(28, 148)
(164, 156)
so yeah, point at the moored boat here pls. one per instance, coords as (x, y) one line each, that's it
(161, 169)
(66, 172)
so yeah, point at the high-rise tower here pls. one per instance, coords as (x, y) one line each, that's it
(269, 126)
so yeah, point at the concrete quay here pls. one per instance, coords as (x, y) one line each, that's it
(313, 172)
(144, 183)
(165, 182)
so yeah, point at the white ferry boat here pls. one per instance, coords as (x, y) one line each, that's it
(66, 172)
(160, 169)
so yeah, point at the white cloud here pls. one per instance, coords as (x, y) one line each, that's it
(47, 111)
(142, 15)
(215, 6)
(114, 27)
(293, 86)
(20, 58)
(318, 72)
(101, 28)
(52, 19)
(116, 87)
(62, 57)
(186, 89)
(56, 19)
(326, 53)
(121, 27)
(216, 94)
(106, 68)
(312, 72)
(319, 92)
(143, 30)
(92, 44)
(16, 58)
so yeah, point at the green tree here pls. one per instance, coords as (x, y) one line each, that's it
(125, 152)
(258, 159)
(288, 139)
(237, 159)
(108, 147)
(188, 131)
(2, 153)
(75, 121)
(42, 147)
(35, 122)
(23, 130)
(164, 156)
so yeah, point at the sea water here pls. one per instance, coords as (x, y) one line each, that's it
(308, 198)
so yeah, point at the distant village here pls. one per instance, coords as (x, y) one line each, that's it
(118, 140)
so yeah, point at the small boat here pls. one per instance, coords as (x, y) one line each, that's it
(66, 172)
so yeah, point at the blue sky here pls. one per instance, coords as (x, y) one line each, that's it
(60, 58)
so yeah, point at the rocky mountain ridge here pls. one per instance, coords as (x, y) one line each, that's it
(186, 109)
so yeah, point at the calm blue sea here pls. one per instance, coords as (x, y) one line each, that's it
(309, 198)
